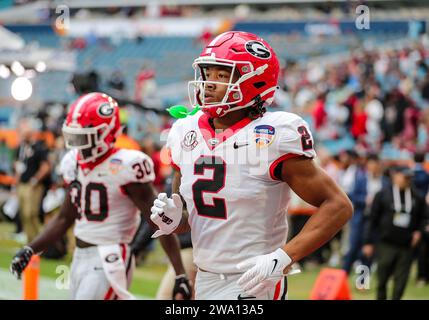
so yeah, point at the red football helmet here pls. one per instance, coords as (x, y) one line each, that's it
(248, 56)
(92, 125)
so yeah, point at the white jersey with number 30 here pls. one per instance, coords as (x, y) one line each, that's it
(237, 206)
(107, 214)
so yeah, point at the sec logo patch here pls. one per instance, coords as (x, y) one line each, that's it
(189, 142)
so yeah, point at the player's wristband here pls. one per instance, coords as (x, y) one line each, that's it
(29, 248)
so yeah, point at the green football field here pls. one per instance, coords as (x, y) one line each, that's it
(148, 276)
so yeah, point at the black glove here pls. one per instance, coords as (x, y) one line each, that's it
(142, 238)
(20, 261)
(182, 286)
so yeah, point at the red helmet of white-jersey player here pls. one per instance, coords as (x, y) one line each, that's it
(250, 58)
(92, 125)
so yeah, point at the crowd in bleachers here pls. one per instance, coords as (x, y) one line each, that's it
(378, 99)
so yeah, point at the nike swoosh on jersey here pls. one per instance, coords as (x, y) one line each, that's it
(245, 298)
(236, 145)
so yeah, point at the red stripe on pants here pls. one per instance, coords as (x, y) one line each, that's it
(277, 292)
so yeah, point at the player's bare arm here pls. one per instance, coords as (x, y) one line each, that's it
(55, 229)
(314, 186)
(43, 171)
(170, 214)
(143, 195)
(184, 225)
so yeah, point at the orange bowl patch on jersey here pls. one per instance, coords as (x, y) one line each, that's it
(264, 135)
(115, 165)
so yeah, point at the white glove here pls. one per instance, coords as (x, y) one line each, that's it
(263, 272)
(166, 213)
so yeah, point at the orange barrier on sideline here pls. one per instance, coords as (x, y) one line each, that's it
(31, 279)
(126, 142)
(331, 284)
(11, 138)
(7, 180)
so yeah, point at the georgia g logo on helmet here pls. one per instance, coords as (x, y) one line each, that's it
(106, 110)
(258, 49)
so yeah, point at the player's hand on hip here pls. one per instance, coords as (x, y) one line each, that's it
(263, 272)
(182, 288)
(20, 261)
(166, 213)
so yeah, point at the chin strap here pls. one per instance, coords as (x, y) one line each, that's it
(257, 109)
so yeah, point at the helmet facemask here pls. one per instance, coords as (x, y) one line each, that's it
(233, 99)
(233, 94)
(90, 142)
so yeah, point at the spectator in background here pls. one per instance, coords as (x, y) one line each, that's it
(204, 38)
(166, 122)
(375, 180)
(357, 195)
(145, 85)
(421, 177)
(396, 221)
(348, 160)
(421, 182)
(374, 111)
(359, 118)
(153, 150)
(411, 122)
(401, 103)
(368, 181)
(117, 84)
(425, 129)
(319, 112)
(32, 168)
(425, 89)
(423, 258)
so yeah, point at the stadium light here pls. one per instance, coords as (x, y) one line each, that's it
(30, 73)
(40, 66)
(17, 68)
(21, 89)
(4, 71)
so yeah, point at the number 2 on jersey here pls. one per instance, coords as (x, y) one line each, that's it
(214, 185)
(306, 142)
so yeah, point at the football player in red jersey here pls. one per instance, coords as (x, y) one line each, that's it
(236, 213)
(107, 190)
